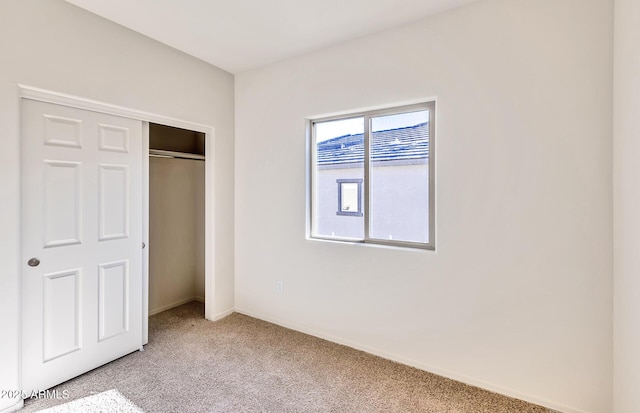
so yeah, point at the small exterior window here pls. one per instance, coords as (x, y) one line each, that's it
(383, 164)
(349, 197)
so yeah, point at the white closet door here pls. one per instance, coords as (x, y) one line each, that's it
(81, 241)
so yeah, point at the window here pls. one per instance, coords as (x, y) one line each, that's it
(349, 197)
(382, 162)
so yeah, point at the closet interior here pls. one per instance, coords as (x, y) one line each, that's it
(176, 217)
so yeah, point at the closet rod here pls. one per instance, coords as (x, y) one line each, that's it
(171, 154)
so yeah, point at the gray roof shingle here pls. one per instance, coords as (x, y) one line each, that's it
(410, 143)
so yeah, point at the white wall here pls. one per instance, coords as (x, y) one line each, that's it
(53, 45)
(176, 236)
(626, 201)
(518, 295)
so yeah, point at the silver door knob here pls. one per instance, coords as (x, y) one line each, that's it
(33, 262)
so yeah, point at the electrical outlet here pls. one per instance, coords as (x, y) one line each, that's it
(279, 287)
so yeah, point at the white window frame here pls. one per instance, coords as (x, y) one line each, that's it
(366, 207)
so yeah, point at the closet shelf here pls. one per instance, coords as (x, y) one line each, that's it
(172, 154)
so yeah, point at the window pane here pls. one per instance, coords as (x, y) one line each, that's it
(399, 174)
(338, 167)
(349, 195)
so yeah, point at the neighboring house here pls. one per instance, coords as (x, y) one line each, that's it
(399, 184)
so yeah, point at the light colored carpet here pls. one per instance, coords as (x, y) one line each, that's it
(241, 364)
(108, 401)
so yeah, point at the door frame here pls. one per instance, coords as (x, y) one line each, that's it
(33, 93)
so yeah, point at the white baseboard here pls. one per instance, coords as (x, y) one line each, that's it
(223, 314)
(174, 304)
(13, 408)
(419, 365)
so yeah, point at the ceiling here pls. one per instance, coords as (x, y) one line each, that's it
(239, 35)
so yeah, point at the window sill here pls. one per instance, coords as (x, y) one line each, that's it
(398, 245)
(349, 214)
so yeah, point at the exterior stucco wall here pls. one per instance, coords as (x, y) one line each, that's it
(399, 200)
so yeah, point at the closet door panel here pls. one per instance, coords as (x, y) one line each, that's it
(81, 241)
